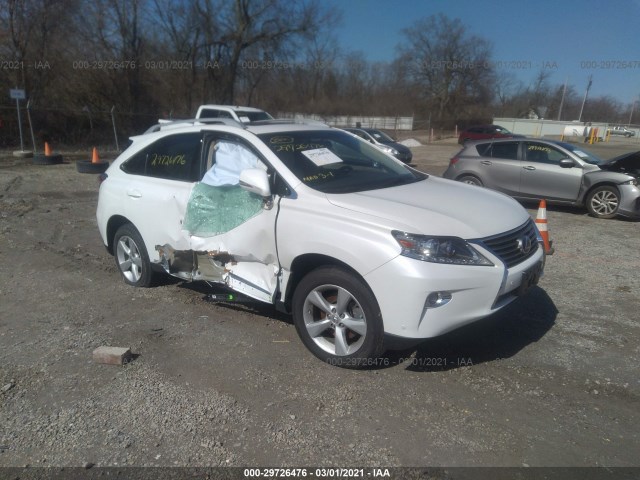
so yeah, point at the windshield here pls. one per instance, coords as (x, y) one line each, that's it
(380, 136)
(582, 154)
(253, 116)
(332, 161)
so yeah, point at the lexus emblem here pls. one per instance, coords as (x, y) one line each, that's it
(524, 244)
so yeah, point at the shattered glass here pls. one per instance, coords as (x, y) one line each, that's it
(215, 210)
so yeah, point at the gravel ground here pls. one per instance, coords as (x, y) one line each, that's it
(551, 380)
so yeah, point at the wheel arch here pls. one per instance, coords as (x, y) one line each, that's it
(305, 263)
(114, 223)
(591, 188)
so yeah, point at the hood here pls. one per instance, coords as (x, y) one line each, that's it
(436, 206)
(628, 163)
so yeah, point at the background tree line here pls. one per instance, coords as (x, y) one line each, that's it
(162, 58)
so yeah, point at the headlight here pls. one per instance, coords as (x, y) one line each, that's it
(389, 150)
(448, 250)
(633, 182)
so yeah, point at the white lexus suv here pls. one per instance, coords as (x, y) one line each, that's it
(361, 249)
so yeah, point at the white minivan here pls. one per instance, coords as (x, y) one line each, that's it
(361, 249)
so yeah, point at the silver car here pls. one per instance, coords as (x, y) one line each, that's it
(561, 173)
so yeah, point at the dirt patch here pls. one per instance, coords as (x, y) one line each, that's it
(551, 380)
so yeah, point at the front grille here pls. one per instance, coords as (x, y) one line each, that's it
(506, 245)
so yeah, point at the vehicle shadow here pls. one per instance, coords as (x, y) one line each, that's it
(238, 304)
(499, 336)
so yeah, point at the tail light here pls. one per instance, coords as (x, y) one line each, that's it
(453, 161)
(101, 178)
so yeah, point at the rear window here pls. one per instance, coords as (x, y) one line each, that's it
(175, 157)
(506, 150)
(210, 113)
(484, 149)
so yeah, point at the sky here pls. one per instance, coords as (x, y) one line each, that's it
(573, 39)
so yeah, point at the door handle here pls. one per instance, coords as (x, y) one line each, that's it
(529, 167)
(486, 162)
(134, 193)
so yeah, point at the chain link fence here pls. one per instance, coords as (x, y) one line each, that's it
(70, 127)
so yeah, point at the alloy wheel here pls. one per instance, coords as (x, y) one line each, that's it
(129, 259)
(335, 320)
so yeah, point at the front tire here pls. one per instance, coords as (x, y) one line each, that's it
(603, 202)
(131, 257)
(338, 318)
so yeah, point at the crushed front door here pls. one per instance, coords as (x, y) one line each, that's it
(231, 231)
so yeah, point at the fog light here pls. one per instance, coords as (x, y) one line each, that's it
(437, 299)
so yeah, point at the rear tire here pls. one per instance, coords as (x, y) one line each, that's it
(470, 180)
(131, 257)
(338, 318)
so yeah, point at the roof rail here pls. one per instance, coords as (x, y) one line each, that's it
(165, 125)
(285, 121)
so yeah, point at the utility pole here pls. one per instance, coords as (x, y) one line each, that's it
(584, 100)
(633, 106)
(564, 90)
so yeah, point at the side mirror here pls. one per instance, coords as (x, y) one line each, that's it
(255, 180)
(567, 163)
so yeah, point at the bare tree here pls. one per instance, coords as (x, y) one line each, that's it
(506, 87)
(16, 20)
(604, 109)
(231, 29)
(181, 30)
(30, 36)
(451, 67)
(111, 41)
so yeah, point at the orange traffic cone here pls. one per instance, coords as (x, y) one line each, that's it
(49, 158)
(95, 165)
(541, 223)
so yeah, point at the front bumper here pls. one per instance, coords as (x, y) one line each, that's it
(405, 157)
(629, 201)
(402, 286)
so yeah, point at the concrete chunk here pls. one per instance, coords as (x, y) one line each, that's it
(112, 355)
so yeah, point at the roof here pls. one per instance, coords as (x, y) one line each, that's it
(263, 126)
(235, 108)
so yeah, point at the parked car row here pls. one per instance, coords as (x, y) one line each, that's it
(624, 131)
(561, 173)
(248, 115)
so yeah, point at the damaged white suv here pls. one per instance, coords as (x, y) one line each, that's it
(360, 248)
